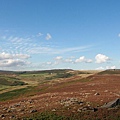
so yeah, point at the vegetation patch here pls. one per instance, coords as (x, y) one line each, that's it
(47, 116)
(60, 75)
(10, 81)
(112, 71)
(15, 93)
(44, 71)
(3, 87)
(72, 116)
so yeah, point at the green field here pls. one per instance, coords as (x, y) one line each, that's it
(15, 84)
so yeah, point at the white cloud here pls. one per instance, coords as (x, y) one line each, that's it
(119, 35)
(59, 58)
(51, 50)
(16, 49)
(89, 61)
(48, 36)
(4, 55)
(21, 56)
(3, 37)
(16, 44)
(69, 60)
(13, 60)
(49, 63)
(100, 68)
(83, 59)
(100, 58)
(12, 63)
(10, 38)
(28, 45)
(59, 61)
(73, 49)
(110, 67)
(107, 67)
(39, 34)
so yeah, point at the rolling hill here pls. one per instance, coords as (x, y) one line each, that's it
(59, 94)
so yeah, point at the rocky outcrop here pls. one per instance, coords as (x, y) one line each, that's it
(112, 104)
(70, 101)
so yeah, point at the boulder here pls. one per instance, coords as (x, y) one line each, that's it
(112, 104)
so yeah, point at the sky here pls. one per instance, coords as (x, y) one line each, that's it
(59, 34)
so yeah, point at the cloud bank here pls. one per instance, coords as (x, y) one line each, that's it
(13, 60)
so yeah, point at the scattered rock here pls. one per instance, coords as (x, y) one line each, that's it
(12, 117)
(13, 109)
(17, 105)
(84, 109)
(97, 94)
(87, 108)
(21, 110)
(2, 115)
(95, 109)
(106, 91)
(33, 111)
(66, 104)
(116, 94)
(5, 109)
(8, 111)
(81, 103)
(71, 101)
(30, 106)
(80, 109)
(31, 101)
(53, 110)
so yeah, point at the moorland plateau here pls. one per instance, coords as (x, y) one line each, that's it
(61, 94)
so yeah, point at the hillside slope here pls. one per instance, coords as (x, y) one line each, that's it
(71, 97)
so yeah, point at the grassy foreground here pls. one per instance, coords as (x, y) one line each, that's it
(74, 116)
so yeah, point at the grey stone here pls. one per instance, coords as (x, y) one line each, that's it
(97, 94)
(95, 109)
(8, 111)
(79, 110)
(5, 109)
(112, 104)
(17, 105)
(12, 117)
(2, 115)
(53, 110)
(32, 111)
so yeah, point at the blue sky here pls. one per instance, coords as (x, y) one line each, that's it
(51, 34)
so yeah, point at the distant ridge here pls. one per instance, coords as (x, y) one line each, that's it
(110, 71)
(6, 72)
(34, 72)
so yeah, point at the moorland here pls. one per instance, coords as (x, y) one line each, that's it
(60, 94)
